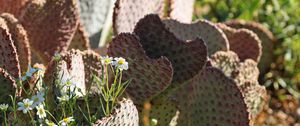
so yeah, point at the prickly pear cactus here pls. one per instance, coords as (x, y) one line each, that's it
(199, 94)
(92, 66)
(20, 40)
(80, 39)
(187, 57)
(243, 42)
(213, 36)
(245, 75)
(8, 86)
(14, 7)
(128, 12)
(206, 100)
(228, 62)
(50, 25)
(149, 76)
(266, 37)
(9, 57)
(63, 69)
(181, 10)
(166, 112)
(125, 114)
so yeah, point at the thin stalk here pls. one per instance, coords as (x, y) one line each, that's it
(88, 108)
(102, 106)
(13, 99)
(5, 118)
(84, 114)
(52, 116)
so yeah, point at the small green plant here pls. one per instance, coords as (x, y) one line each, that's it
(111, 92)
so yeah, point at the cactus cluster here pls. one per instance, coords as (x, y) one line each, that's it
(213, 71)
(190, 73)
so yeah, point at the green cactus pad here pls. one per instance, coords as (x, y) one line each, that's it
(125, 114)
(211, 98)
(14, 7)
(80, 40)
(266, 37)
(19, 37)
(182, 10)
(243, 42)
(213, 36)
(165, 112)
(149, 76)
(50, 25)
(8, 53)
(128, 12)
(227, 61)
(187, 57)
(92, 66)
(8, 86)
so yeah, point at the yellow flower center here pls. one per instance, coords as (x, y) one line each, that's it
(121, 61)
(41, 111)
(66, 120)
(26, 105)
(107, 60)
(36, 99)
(51, 124)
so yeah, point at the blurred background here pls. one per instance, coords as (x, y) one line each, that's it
(282, 80)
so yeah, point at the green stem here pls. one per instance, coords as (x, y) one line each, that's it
(112, 91)
(88, 108)
(63, 110)
(116, 95)
(13, 99)
(102, 106)
(107, 107)
(106, 69)
(5, 120)
(52, 116)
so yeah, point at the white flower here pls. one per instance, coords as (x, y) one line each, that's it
(70, 86)
(41, 111)
(63, 98)
(37, 99)
(69, 83)
(3, 107)
(50, 123)
(25, 106)
(106, 60)
(120, 63)
(29, 73)
(66, 121)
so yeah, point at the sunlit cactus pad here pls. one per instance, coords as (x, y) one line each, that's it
(124, 114)
(213, 36)
(149, 76)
